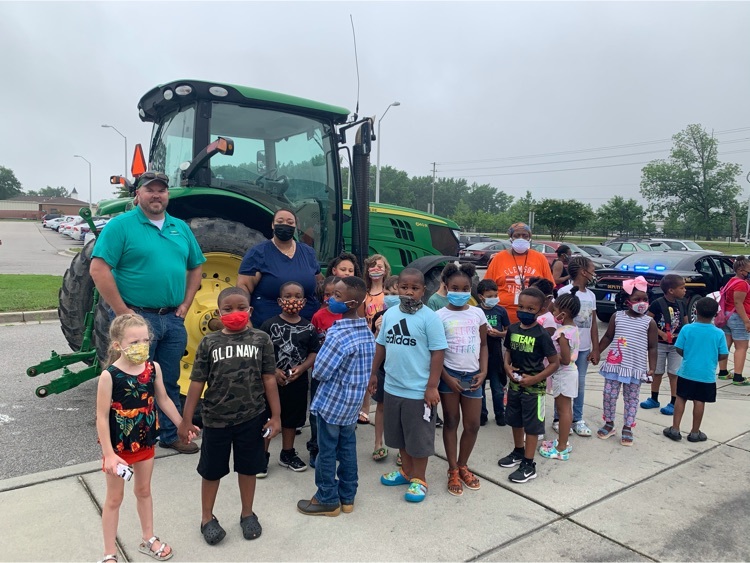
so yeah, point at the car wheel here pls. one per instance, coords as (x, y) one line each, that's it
(692, 314)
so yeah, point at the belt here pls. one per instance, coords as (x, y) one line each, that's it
(160, 311)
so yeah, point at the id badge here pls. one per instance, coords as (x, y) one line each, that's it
(515, 297)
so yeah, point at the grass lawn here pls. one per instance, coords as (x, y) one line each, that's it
(21, 292)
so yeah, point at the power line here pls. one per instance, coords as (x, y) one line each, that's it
(574, 169)
(576, 151)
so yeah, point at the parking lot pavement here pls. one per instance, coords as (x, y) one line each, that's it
(30, 249)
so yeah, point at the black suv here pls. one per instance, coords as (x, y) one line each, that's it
(704, 272)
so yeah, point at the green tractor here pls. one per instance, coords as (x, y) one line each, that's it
(234, 156)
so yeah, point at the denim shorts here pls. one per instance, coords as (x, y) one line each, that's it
(466, 376)
(736, 328)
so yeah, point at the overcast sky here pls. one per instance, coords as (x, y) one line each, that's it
(478, 81)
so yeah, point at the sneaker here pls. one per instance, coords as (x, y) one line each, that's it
(510, 460)
(263, 474)
(650, 404)
(553, 453)
(500, 420)
(725, 376)
(540, 437)
(667, 409)
(181, 447)
(291, 460)
(581, 428)
(525, 472)
(438, 422)
(416, 492)
(483, 421)
(556, 428)
(394, 478)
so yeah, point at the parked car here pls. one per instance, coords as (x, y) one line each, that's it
(66, 227)
(704, 273)
(684, 245)
(549, 249)
(467, 240)
(481, 253)
(78, 232)
(49, 217)
(629, 247)
(54, 224)
(601, 251)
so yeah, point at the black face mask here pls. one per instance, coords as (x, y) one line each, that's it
(283, 232)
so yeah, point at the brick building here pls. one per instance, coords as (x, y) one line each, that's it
(35, 207)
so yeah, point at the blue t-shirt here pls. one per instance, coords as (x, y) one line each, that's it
(701, 344)
(497, 318)
(408, 341)
(276, 269)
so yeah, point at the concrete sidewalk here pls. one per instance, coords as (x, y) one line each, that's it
(659, 500)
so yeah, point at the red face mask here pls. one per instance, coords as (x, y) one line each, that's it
(236, 321)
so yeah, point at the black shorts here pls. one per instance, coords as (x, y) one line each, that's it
(405, 428)
(525, 410)
(696, 390)
(380, 391)
(293, 399)
(244, 440)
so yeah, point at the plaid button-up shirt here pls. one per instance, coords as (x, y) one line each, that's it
(343, 367)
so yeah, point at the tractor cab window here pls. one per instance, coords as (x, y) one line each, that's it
(285, 160)
(172, 144)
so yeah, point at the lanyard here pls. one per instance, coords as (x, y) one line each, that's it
(521, 273)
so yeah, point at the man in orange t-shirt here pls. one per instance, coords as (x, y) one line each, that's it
(511, 269)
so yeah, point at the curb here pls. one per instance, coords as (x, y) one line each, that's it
(29, 316)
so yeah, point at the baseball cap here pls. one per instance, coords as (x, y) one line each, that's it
(152, 176)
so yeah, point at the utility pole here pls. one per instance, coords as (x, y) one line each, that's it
(434, 172)
(747, 225)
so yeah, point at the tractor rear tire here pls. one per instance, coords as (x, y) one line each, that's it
(213, 235)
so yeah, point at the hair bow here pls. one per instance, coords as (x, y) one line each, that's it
(638, 283)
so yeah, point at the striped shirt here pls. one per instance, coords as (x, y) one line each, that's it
(343, 368)
(628, 353)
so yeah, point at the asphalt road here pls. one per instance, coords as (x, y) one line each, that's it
(27, 248)
(41, 434)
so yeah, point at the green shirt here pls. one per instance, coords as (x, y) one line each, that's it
(149, 265)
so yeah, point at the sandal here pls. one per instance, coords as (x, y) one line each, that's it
(147, 547)
(454, 483)
(606, 431)
(112, 557)
(398, 459)
(627, 436)
(469, 479)
(364, 418)
(380, 454)
(212, 531)
(250, 527)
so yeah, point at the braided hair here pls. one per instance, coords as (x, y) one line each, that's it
(578, 264)
(569, 302)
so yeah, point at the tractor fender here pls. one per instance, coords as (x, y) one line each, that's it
(431, 267)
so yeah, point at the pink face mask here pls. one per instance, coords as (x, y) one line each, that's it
(640, 308)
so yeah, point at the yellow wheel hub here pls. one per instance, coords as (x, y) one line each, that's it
(219, 272)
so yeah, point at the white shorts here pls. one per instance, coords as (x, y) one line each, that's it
(565, 381)
(667, 359)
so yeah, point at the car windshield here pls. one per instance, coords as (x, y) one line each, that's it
(607, 251)
(692, 245)
(577, 250)
(647, 262)
(480, 246)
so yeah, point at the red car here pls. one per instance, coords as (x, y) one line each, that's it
(481, 253)
(549, 249)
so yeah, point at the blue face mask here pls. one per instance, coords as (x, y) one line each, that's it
(491, 301)
(337, 307)
(526, 318)
(458, 298)
(391, 300)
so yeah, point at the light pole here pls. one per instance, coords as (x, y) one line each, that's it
(377, 167)
(90, 198)
(747, 225)
(126, 145)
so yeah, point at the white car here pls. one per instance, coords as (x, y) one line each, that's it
(88, 235)
(67, 228)
(78, 232)
(55, 224)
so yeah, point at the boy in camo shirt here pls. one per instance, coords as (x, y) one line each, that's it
(237, 366)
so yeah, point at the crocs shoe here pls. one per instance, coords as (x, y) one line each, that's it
(581, 428)
(556, 428)
(554, 453)
(725, 376)
(667, 409)
(742, 382)
(552, 445)
(672, 433)
(650, 404)
(394, 478)
(416, 492)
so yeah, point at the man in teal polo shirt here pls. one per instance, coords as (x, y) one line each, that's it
(148, 262)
